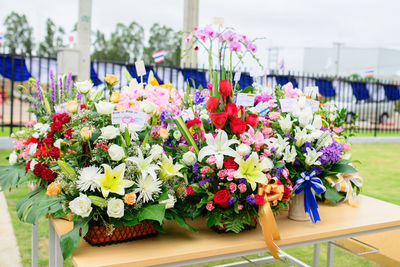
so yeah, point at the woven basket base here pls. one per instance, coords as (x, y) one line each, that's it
(97, 234)
(222, 230)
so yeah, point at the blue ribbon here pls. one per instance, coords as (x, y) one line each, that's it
(305, 183)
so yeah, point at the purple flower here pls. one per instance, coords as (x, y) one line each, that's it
(296, 162)
(165, 116)
(195, 167)
(68, 82)
(250, 199)
(331, 153)
(79, 96)
(203, 182)
(243, 181)
(198, 97)
(38, 90)
(318, 170)
(53, 87)
(231, 200)
(306, 144)
(61, 87)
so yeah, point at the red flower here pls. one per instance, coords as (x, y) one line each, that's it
(28, 166)
(48, 141)
(37, 170)
(56, 126)
(218, 119)
(222, 197)
(225, 89)
(231, 110)
(54, 152)
(286, 192)
(230, 163)
(252, 119)
(68, 133)
(259, 199)
(83, 106)
(195, 121)
(31, 140)
(238, 126)
(189, 190)
(212, 104)
(48, 175)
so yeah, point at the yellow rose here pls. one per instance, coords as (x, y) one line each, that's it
(115, 96)
(130, 198)
(153, 81)
(111, 79)
(164, 133)
(53, 189)
(86, 133)
(72, 106)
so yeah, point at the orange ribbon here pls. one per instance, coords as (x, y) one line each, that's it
(272, 192)
(342, 183)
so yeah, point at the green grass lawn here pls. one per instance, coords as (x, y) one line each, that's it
(381, 180)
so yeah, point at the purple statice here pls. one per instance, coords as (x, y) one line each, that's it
(165, 115)
(296, 162)
(331, 153)
(197, 176)
(68, 82)
(195, 167)
(306, 145)
(231, 200)
(199, 97)
(203, 182)
(243, 181)
(79, 96)
(317, 169)
(251, 199)
(53, 87)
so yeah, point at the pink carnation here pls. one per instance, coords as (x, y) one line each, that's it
(221, 174)
(285, 173)
(267, 153)
(232, 187)
(274, 115)
(337, 129)
(211, 160)
(267, 131)
(230, 173)
(205, 169)
(19, 144)
(242, 188)
(210, 206)
(240, 206)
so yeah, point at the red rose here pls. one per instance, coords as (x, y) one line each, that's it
(212, 104)
(48, 141)
(218, 119)
(222, 197)
(225, 89)
(195, 121)
(37, 170)
(83, 106)
(286, 192)
(238, 126)
(56, 126)
(230, 163)
(54, 152)
(252, 119)
(259, 199)
(65, 118)
(48, 175)
(28, 166)
(231, 110)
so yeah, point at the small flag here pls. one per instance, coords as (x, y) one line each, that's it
(1, 38)
(282, 65)
(370, 72)
(159, 56)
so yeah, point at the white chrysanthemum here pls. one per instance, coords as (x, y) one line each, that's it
(89, 179)
(147, 186)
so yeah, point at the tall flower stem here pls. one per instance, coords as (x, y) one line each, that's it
(90, 149)
(230, 67)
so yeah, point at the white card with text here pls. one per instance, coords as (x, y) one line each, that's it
(128, 117)
(140, 69)
(287, 104)
(246, 100)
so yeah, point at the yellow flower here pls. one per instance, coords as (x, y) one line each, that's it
(153, 81)
(164, 133)
(72, 106)
(130, 198)
(167, 86)
(111, 79)
(115, 96)
(86, 133)
(113, 180)
(169, 169)
(53, 189)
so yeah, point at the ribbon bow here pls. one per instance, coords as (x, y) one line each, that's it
(307, 183)
(343, 184)
(271, 193)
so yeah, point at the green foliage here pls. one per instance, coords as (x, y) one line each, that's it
(68, 171)
(10, 176)
(332, 195)
(343, 168)
(18, 37)
(152, 212)
(213, 218)
(69, 242)
(53, 39)
(236, 223)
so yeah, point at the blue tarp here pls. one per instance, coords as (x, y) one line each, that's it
(391, 92)
(132, 72)
(325, 87)
(21, 72)
(199, 77)
(283, 79)
(245, 80)
(94, 77)
(360, 90)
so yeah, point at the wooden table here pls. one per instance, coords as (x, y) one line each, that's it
(178, 246)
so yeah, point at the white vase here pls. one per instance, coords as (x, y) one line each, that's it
(296, 209)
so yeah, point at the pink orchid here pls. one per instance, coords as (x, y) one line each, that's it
(290, 91)
(252, 47)
(234, 46)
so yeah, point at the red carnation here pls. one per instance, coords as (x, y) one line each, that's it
(83, 106)
(56, 126)
(218, 119)
(259, 199)
(48, 175)
(54, 152)
(37, 170)
(231, 110)
(68, 133)
(252, 119)
(238, 126)
(31, 140)
(225, 89)
(286, 192)
(195, 121)
(65, 118)
(28, 166)
(212, 104)
(230, 163)
(222, 197)
(48, 141)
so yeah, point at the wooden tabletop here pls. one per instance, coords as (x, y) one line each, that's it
(178, 244)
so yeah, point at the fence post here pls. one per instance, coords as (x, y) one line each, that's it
(12, 93)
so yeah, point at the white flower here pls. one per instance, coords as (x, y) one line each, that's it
(204, 117)
(13, 158)
(148, 106)
(170, 202)
(312, 157)
(218, 147)
(81, 206)
(104, 107)
(243, 150)
(57, 143)
(177, 135)
(305, 117)
(146, 187)
(145, 165)
(189, 158)
(286, 123)
(311, 92)
(35, 135)
(41, 129)
(156, 152)
(115, 208)
(109, 132)
(301, 136)
(132, 129)
(89, 178)
(116, 152)
(32, 149)
(290, 154)
(84, 87)
(32, 165)
(279, 144)
(317, 122)
(267, 164)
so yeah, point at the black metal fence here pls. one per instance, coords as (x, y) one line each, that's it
(375, 103)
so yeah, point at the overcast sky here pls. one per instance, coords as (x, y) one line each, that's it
(289, 24)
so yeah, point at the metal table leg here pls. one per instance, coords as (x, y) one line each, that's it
(316, 255)
(330, 254)
(35, 245)
(51, 245)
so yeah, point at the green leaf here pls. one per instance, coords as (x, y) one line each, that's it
(163, 195)
(69, 242)
(127, 75)
(68, 171)
(98, 201)
(343, 168)
(213, 218)
(152, 212)
(127, 137)
(10, 176)
(173, 215)
(332, 195)
(96, 95)
(185, 132)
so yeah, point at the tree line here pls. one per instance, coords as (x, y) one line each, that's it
(125, 43)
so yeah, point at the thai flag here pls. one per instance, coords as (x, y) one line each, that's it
(1, 38)
(370, 72)
(282, 65)
(159, 56)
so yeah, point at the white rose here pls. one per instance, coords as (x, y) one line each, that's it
(57, 143)
(177, 135)
(115, 208)
(116, 152)
(104, 108)
(109, 132)
(32, 165)
(32, 149)
(243, 150)
(81, 206)
(170, 202)
(189, 158)
(156, 151)
(13, 158)
(148, 107)
(84, 87)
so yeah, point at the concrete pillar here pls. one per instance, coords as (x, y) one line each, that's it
(84, 32)
(190, 20)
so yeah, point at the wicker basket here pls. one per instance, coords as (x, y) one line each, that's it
(97, 234)
(220, 229)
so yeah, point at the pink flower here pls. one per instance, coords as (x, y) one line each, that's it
(189, 38)
(232, 187)
(248, 137)
(267, 152)
(30, 123)
(267, 131)
(191, 149)
(240, 206)
(189, 190)
(210, 86)
(271, 103)
(290, 91)
(346, 147)
(259, 140)
(210, 206)
(242, 188)
(230, 36)
(274, 115)
(205, 169)
(252, 47)
(211, 160)
(234, 46)
(230, 173)
(285, 173)
(337, 129)
(19, 144)
(221, 174)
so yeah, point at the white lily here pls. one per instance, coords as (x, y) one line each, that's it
(279, 144)
(305, 116)
(218, 147)
(290, 154)
(144, 164)
(312, 156)
(286, 123)
(301, 136)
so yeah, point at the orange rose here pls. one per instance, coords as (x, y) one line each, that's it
(115, 96)
(111, 79)
(130, 198)
(53, 189)
(164, 133)
(72, 106)
(86, 133)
